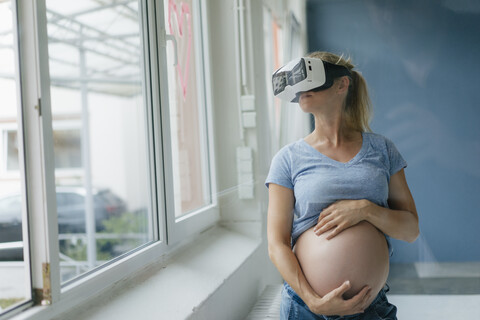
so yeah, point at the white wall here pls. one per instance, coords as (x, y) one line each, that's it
(248, 216)
(226, 110)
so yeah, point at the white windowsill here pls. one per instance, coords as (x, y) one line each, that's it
(173, 288)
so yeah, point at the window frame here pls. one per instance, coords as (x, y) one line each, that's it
(184, 226)
(116, 269)
(44, 230)
(19, 126)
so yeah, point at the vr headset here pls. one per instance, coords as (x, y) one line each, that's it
(305, 74)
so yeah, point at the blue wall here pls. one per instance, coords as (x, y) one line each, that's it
(421, 61)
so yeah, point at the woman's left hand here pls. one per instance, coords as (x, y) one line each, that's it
(341, 215)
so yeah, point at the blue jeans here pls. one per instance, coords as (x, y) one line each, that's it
(293, 307)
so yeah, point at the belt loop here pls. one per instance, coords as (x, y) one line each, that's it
(386, 288)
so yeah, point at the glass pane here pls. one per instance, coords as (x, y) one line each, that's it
(187, 107)
(12, 150)
(14, 270)
(67, 145)
(100, 132)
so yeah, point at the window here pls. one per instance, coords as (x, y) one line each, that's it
(191, 160)
(186, 87)
(118, 147)
(15, 286)
(97, 74)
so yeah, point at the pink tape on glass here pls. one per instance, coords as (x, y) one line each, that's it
(184, 13)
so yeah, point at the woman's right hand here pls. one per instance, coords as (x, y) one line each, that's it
(279, 228)
(333, 303)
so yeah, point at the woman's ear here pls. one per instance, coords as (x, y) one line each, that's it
(342, 84)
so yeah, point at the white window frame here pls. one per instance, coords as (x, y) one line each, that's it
(186, 225)
(117, 268)
(40, 169)
(43, 231)
(19, 126)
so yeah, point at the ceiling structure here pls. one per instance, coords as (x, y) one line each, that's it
(93, 44)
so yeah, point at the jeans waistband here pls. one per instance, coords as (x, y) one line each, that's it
(381, 295)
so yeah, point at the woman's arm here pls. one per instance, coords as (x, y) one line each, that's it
(400, 221)
(279, 226)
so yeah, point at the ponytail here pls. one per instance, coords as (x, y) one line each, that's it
(357, 107)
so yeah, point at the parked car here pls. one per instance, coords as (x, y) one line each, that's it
(71, 208)
(11, 246)
(71, 215)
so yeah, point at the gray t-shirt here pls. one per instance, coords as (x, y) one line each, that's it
(318, 181)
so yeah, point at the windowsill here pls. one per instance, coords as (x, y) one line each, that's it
(174, 287)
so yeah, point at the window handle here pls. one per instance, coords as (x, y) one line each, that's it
(174, 42)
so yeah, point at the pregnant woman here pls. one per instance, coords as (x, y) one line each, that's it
(335, 198)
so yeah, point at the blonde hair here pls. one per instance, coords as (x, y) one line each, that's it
(358, 107)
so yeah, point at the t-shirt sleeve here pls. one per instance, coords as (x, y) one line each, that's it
(280, 170)
(397, 162)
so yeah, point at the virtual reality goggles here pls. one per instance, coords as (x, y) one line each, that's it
(305, 74)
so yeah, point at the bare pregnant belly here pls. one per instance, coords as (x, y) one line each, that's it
(358, 254)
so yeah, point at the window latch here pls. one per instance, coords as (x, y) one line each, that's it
(38, 107)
